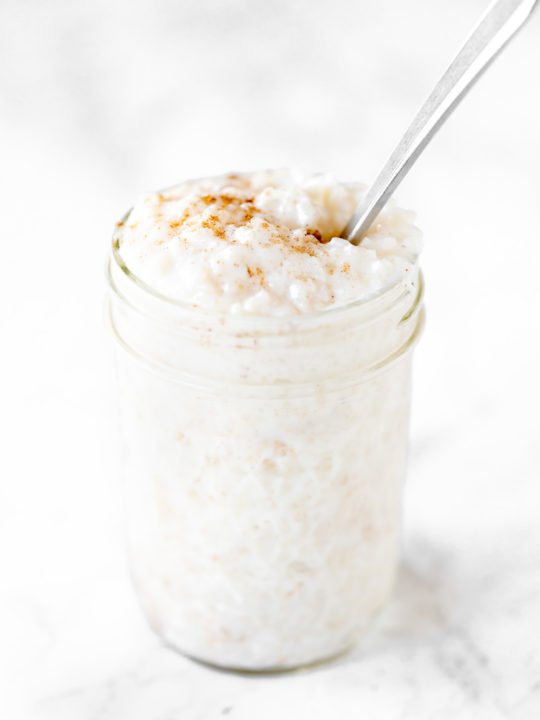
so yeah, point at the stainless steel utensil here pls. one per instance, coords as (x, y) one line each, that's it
(499, 24)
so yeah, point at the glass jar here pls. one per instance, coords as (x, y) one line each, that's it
(264, 459)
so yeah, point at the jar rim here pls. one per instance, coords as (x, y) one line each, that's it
(201, 312)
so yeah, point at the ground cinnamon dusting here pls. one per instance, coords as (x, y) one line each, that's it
(307, 248)
(316, 233)
(213, 223)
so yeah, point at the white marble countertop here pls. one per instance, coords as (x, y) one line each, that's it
(103, 100)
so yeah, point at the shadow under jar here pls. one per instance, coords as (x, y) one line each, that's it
(264, 459)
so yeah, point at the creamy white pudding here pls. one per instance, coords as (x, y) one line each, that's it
(264, 368)
(265, 244)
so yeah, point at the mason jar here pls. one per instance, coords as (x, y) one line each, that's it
(263, 460)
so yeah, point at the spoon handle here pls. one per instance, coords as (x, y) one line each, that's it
(500, 22)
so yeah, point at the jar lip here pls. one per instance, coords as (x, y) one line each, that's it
(244, 389)
(198, 311)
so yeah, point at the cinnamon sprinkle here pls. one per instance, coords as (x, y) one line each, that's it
(307, 249)
(213, 223)
(315, 233)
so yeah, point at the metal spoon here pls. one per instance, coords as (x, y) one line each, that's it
(500, 22)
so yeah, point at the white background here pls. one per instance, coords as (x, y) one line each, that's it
(102, 100)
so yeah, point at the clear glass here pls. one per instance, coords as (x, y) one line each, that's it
(264, 460)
